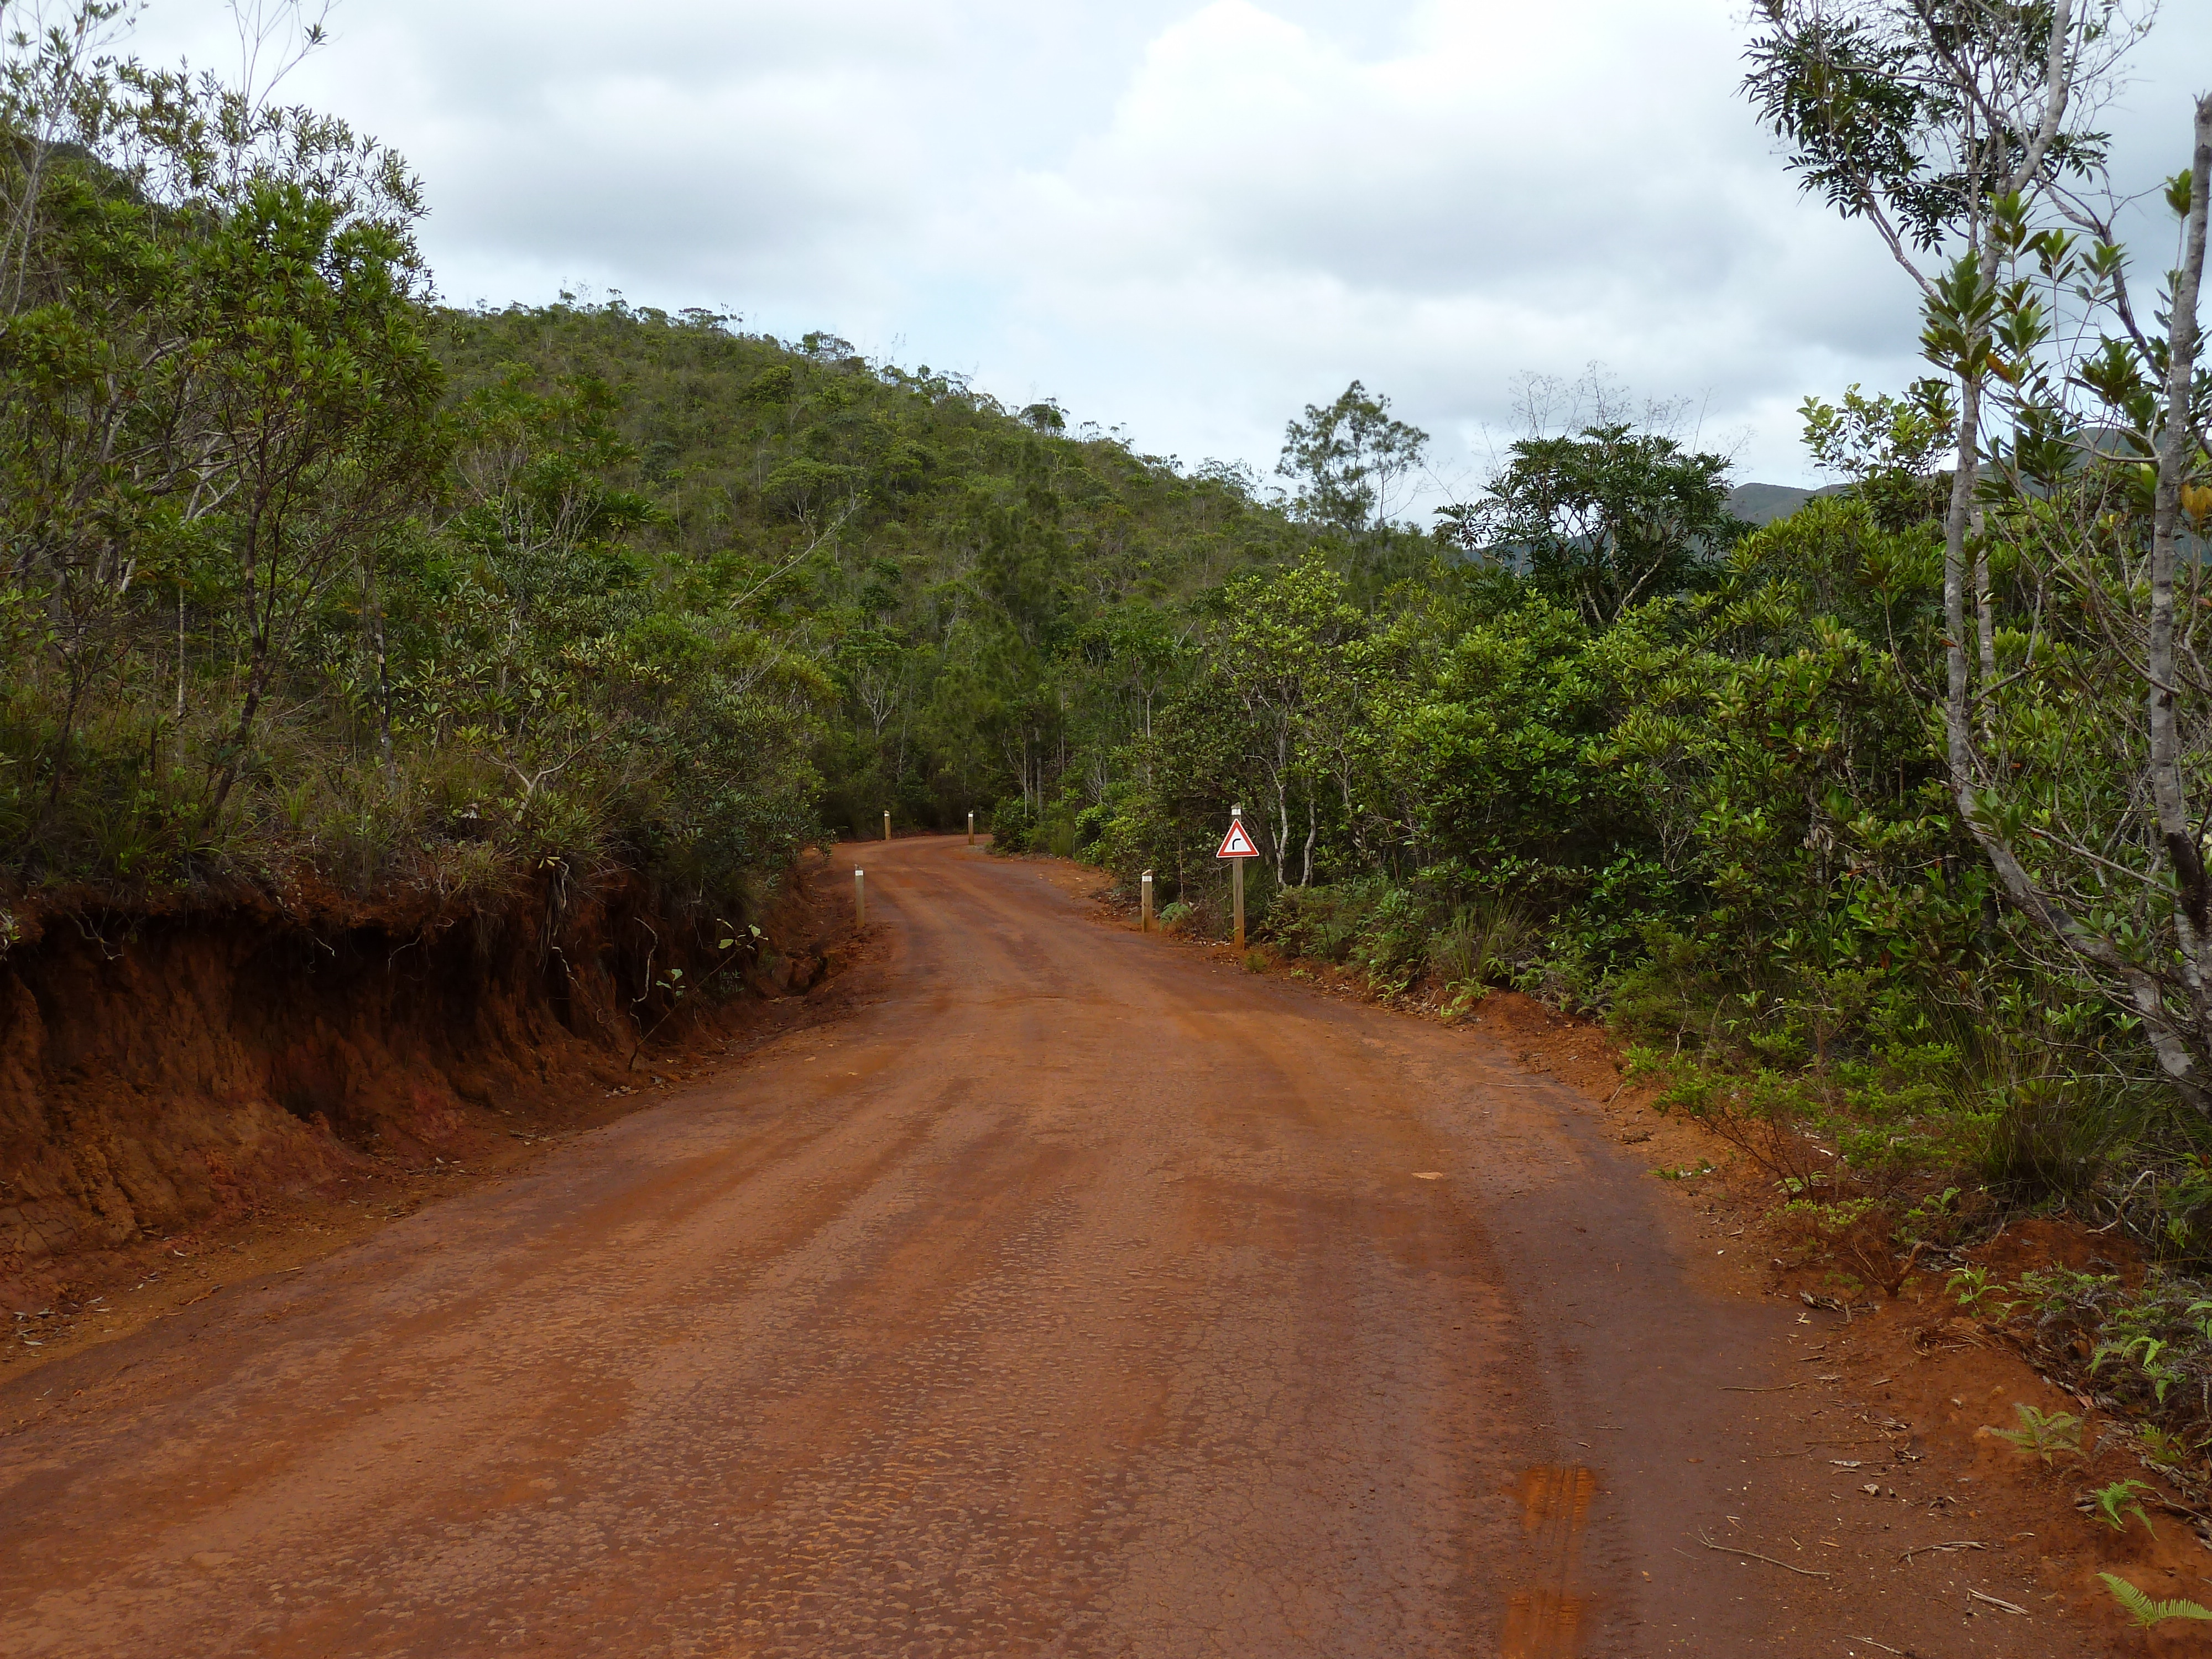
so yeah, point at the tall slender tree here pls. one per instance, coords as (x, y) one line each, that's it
(1964, 131)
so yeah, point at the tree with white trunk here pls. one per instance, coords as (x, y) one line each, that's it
(2075, 717)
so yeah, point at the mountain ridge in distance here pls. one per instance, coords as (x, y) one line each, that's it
(1763, 503)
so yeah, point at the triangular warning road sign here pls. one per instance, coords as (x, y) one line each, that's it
(1237, 844)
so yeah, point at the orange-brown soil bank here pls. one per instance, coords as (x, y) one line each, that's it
(162, 1071)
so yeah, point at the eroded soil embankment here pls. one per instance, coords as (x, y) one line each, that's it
(161, 1071)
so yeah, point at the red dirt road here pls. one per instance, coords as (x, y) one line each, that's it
(1074, 1294)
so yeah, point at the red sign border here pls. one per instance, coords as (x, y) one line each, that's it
(1237, 828)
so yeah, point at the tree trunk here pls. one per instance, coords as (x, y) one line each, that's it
(1957, 732)
(2192, 913)
(1279, 824)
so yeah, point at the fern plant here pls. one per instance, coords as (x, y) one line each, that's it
(1970, 1286)
(2145, 1611)
(2162, 1447)
(2145, 1352)
(2113, 1504)
(2041, 1435)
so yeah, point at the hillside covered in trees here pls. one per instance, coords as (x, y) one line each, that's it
(584, 584)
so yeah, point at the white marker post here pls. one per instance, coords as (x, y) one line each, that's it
(971, 829)
(1145, 904)
(859, 898)
(1236, 846)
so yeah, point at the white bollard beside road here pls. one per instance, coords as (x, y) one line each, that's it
(859, 898)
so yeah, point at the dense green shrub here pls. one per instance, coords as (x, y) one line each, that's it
(1014, 827)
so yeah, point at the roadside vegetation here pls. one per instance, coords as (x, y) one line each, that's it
(1876, 832)
(318, 588)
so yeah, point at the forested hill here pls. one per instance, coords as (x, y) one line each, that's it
(979, 592)
(316, 589)
(569, 586)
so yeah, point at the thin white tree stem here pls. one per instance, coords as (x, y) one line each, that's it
(2177, 453)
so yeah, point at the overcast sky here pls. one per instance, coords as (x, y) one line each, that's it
(1186, 221)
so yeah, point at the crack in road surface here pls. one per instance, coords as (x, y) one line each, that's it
(1097, 1299)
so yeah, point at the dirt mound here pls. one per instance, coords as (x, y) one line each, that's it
(159, 1071)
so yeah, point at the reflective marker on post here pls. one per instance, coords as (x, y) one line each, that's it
(859, 898)
(1145, 904)
(971, 829)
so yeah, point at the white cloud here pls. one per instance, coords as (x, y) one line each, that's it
(1268, 214)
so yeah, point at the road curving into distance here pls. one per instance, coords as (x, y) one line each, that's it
(1075, 1293)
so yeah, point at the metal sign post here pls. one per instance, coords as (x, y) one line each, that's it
(1236, 846)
